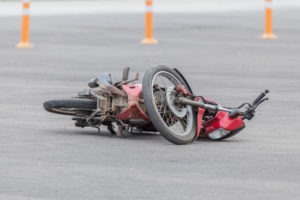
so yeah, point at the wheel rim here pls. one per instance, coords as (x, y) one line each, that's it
(181, 126)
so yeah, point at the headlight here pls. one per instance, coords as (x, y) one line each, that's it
(218, 134)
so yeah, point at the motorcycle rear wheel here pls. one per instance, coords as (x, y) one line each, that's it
(178, 130)
(71, 106)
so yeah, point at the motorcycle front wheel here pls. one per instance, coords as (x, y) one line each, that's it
(176, 123)
(76, 106)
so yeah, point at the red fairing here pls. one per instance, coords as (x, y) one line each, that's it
(133, 110)
(222, 120)
(201, 112)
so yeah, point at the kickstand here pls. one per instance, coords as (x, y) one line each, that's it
(99, 131)
(96, 127)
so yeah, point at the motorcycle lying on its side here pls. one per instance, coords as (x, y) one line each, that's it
(164, 102)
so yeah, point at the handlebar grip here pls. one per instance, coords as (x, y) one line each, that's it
(260, 97)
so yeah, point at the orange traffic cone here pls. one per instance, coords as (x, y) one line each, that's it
(149, 25)
(24, 43)
(268, 34)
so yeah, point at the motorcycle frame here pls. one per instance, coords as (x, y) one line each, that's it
(229, 120)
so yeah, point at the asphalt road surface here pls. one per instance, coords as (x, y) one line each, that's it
(43, 156)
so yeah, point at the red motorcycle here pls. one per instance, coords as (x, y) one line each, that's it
(164, 102)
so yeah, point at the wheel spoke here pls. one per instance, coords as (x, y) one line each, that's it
(179, 125)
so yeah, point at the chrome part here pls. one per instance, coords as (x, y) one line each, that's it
(200, 104)
(186, 101)
(179, 126)
(170, 97)
(183, 127)
(93, 83)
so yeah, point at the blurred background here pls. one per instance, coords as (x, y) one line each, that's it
(44, 7)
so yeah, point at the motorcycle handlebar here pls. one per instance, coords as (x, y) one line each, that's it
(233, 112)
(260, 97)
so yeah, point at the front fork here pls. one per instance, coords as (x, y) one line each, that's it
(199, 104)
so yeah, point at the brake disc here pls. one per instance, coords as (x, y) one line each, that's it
(175, 109)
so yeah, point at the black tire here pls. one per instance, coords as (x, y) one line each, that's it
(157, 117)
(71, 106)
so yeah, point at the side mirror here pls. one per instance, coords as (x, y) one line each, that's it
(93, 83)
(125, 73)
